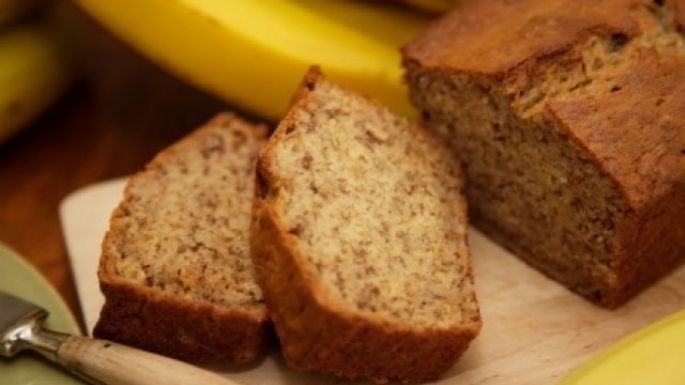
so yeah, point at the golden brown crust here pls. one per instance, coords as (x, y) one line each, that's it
(636, 132)
(197, 332)
(495, 37)
(315, 332)
(153, 320)
(637, 136)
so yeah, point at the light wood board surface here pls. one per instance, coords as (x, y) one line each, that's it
(534, 330)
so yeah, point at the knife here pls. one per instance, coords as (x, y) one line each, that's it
(95, 361)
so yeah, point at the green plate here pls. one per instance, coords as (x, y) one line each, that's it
(19, 278)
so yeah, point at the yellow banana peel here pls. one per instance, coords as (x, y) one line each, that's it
(653, 355)
(33, 74)
(254, 53)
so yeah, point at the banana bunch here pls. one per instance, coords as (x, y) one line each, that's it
(653, 355)
(253, 53)
(33, 69)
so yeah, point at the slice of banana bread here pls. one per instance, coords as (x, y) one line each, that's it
(359, 241)
(570, 119)
(175, 267)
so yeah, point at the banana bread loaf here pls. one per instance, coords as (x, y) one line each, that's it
(569, 117)
(175, 267)
(359, 241)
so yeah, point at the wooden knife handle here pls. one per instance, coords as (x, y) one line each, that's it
(104, 362)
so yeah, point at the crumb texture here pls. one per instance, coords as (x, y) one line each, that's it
(375, 206)
(570, 138)
(359, 241)
(183, 226)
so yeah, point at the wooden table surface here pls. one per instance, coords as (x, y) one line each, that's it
(118, 115)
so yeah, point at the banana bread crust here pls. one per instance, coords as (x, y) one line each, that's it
(634, 135)
(190, 331)
(643, 151)
(521, 33)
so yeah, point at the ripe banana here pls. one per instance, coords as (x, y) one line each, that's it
(11, 10)
(33, 74)
(254, 53)
(653, 355)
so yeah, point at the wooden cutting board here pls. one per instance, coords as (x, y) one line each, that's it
(534, 330)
